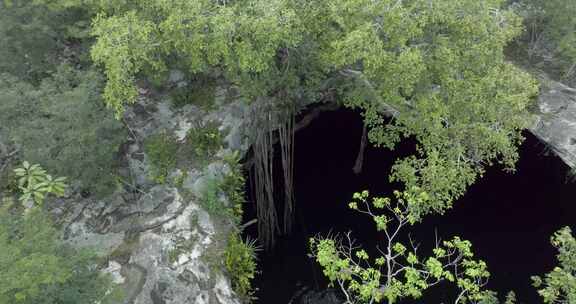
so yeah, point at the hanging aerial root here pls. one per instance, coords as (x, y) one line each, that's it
(360, 158)
(266, 118)
(286, 134)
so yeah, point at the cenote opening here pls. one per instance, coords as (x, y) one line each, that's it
(508, 217)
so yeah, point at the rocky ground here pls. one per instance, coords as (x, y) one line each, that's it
(556, 124)
(160, 244)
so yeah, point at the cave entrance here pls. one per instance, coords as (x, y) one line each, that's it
(509, 218)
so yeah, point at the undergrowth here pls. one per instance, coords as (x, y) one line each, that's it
(230, 187)
(161, 149)
(240, 263)
(204, 140)
(200, 91)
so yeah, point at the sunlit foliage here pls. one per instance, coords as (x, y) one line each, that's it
(397, 270)
(437, 65)
(35, 183)
(559, 285)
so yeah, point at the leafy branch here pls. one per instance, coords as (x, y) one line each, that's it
(35, 184)
(559, 285)
(398, 271)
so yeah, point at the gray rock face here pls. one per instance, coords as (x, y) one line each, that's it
(556, 124)
(161, 246)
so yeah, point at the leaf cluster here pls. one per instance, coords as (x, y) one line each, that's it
(204, 140)
(35, 184)
(161, 151)
(559, 285)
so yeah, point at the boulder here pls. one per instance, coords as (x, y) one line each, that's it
(556, 123)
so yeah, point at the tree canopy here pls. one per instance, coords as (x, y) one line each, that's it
(550, 40)
(437, 66)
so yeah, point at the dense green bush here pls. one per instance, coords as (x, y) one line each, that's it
(199, 91)
(204, 140)
(437, 65)
(63, 124)
(161, 150)
(240, 263)
(561, 26)
(38, 269)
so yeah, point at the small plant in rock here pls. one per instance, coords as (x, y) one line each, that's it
(233, 185)
(240, 263)
(204, 140)
(398, 271)
(35, 184)
(200, 91)
(225, 196)
(211, 197)
(161, 150)
(181, 246)
(178, 180)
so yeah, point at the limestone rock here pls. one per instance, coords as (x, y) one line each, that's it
(161, 246)
(556, 124)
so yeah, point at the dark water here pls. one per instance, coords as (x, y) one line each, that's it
(508, 217)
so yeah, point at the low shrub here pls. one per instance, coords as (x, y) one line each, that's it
(204, 140)
(161, 150)
(231, 186)
(240, 263)
(38, 268)
(210, 198)
(200, 91)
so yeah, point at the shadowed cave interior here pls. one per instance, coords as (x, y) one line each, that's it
(508, 217)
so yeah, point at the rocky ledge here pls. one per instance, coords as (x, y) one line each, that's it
(556, 124)
(159, 243)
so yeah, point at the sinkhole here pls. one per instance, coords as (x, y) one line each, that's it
(508, 217)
